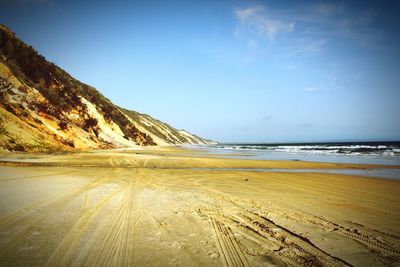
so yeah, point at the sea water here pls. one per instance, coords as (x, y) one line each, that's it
(386, 153)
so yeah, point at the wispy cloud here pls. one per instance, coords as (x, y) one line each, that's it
(306, 125)
(311, 89)
(325, 9)
(312, 27)
(305, 46)
(267, 118)
(257, 20)
(337, 20)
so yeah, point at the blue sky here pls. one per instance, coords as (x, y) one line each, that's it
(232, 71)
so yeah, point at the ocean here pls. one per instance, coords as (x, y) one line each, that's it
(340, 152)
(387, 153)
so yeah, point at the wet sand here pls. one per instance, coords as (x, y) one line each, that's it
(159, 208)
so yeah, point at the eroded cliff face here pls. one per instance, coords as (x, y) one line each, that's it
(42, 108)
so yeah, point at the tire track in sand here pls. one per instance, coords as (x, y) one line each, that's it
(62, 255)
(292, 248)
(232, 255)
(44, 205)
(117, 246)
(38, 217)
(382, 243)
(34, 176)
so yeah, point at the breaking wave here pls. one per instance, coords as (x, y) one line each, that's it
(370, 148)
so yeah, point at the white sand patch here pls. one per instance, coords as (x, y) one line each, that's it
(110, 131)
(6, 73)
(191, 137)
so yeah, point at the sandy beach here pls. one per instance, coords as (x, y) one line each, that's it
(179, 207)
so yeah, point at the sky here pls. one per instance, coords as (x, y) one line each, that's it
(231, 71)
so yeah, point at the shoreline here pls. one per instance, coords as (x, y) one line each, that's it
(196, 157)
